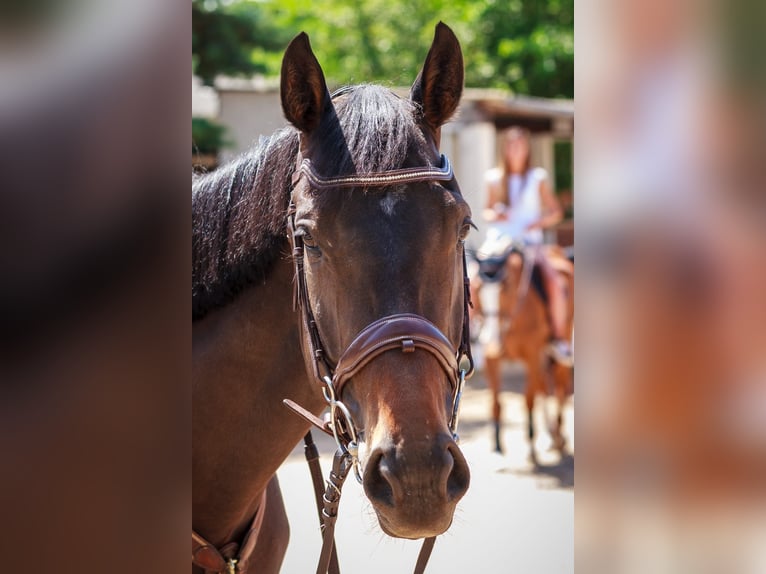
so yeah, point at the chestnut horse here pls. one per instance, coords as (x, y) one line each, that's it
(516, 327)
(378, 249)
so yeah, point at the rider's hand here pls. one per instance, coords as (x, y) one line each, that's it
(501, 212)
(533, 226)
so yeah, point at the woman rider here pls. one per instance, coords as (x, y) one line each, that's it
(519, 205)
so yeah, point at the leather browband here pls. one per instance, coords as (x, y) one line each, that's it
(396, 176)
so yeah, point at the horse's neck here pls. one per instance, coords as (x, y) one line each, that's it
(527, 308)
(246, 359)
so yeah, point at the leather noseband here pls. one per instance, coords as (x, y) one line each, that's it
(404, 331)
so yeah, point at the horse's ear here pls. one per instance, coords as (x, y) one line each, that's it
(440, 83)
(303, 89)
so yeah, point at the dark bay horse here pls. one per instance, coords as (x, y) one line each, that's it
(370, 248)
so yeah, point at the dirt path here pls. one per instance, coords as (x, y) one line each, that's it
(516, 517)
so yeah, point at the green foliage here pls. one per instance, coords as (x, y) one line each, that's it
(562, 151)
(225, 34)
(527, 47)
(208, 137)
(371, 41)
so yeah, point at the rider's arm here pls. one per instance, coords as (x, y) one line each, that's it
(551, 208)
(494, 206)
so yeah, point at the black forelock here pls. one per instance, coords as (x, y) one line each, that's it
(373, 130)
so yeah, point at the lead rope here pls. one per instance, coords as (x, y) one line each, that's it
(312, 457)
(425, 554)
(331, 500)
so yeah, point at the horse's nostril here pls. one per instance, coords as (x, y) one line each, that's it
(459, 477)
(388, 482)
(376, 484)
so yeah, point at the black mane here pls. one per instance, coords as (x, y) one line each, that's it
(238, 221)
(239, 211)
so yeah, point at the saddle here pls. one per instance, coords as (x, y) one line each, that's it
(493, 269)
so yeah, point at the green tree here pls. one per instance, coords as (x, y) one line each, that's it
(527, 47)
(372, 41)
(225, 35)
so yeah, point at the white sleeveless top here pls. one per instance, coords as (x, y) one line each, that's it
(524, 208)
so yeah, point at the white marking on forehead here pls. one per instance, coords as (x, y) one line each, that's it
(391, 198)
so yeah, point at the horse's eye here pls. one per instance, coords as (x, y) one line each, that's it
(464, 231)
(308, 240)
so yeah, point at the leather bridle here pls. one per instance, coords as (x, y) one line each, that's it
(406, 332)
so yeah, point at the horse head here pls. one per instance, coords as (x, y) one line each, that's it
(381, 223)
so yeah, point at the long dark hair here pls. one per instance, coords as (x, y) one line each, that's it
(513, 134)
(238, 220)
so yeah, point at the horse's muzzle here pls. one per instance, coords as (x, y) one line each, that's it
(414, 488)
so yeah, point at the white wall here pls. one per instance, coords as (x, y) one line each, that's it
(472, 154)
(248, 115)
(205, 101)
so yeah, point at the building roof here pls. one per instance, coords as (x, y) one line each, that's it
(504, 110)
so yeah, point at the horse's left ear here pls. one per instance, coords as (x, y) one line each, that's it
(440, 83)
(303, 89)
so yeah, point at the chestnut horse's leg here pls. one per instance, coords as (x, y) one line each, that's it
(535, 385)
(562, 375)
(492, 373)
(272, 542)
(491, 340)
(559, 378)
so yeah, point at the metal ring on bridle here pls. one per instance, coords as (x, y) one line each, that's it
(350, 447)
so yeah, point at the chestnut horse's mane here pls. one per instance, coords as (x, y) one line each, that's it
(239, 211)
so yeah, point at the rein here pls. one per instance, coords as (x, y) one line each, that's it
(405, 332)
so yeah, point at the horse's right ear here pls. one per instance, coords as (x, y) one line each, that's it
(303, 88)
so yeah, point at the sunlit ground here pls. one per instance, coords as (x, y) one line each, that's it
(514, 518)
